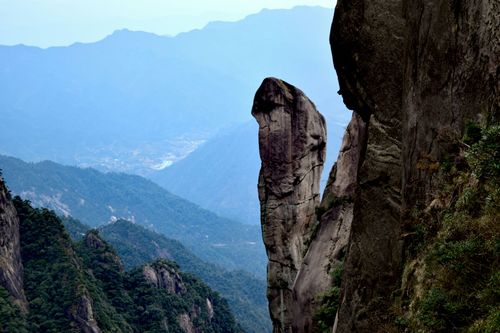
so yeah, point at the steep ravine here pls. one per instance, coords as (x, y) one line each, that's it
(421, 78)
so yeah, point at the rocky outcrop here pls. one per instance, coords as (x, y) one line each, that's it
(417, 71)
(185, 323)
(93, 241)
(328, 244)
(292, 140)
(327, 237)
(84, 316)
(164, 277)
(11, 268)
(368, 47)
(210, 309)
(186, 320)
(413, 73)
(108, 256)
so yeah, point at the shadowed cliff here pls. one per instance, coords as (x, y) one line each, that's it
(11, 267)
(393, 246)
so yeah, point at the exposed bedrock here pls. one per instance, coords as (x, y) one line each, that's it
(292, 140)
(84, 315)
(413, 73)
(11, 268)
(417, 71)
(452, 76)
(368, 47)
(329, 240)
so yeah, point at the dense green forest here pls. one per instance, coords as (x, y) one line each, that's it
(11, 318)
(95, 198)
(136, 246)
(72, 286)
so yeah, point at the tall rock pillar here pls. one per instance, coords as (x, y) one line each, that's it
(292, 140)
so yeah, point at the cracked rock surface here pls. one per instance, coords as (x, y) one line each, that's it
(292, 140)
(11, 267)
(417, 72)
(414, 73)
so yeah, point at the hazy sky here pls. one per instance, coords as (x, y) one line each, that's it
(62, 22)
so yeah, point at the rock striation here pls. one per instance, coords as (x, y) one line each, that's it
(328, 244)
(292, 140)
(368, 47)
(11, 268)
(84, 315)
(418, 71)
(414, 73)
(164, 277)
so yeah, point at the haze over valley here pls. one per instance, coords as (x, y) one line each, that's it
(140, 103)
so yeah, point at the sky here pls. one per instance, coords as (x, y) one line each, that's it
(47, 23)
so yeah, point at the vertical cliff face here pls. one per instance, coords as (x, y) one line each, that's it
(419, 71)
(164, 278)
(452, 76)
(368, 47)
(292, 139)
(11, 268)
(328, 244)
(414, 73)
(83, 314)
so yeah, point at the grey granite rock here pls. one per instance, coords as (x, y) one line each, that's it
(164, 278)
(11, 268)
(292, 139)
(417, 71)
(328, 243)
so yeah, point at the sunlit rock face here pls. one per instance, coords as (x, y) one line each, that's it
(292, 140)
(11, 268)
(84, 315)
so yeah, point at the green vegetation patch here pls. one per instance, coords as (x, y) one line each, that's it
(453, 278)
(11, 318)
(59, 274)
(328, 302)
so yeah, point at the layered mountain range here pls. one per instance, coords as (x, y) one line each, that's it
(156, 106)
(136, 102)
(97, 198)
(51, 284)
(404, 237)
(138, 246)
(143, 222)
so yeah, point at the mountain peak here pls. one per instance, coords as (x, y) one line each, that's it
(130, 36)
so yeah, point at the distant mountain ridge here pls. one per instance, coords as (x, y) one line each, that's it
(82, 286)
(96, 198)
(136, 101)
(221, 174)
